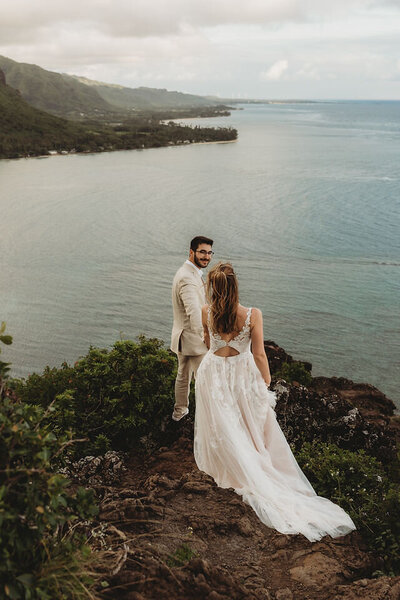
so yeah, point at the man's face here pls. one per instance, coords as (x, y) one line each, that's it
(202, 256)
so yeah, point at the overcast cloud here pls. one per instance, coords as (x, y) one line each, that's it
(257, 48)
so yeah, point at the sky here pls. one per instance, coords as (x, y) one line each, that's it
(267, 49)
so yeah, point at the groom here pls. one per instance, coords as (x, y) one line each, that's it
(188, 296)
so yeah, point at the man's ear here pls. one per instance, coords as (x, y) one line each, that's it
(191, 254)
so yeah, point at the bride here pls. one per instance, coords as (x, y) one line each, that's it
(237, 438)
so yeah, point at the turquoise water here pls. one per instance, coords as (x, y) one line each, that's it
(305, 204)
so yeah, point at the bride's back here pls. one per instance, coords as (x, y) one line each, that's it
(242, 319)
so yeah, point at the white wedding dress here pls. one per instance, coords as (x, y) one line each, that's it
(239, 442)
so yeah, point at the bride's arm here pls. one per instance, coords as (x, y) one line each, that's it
(257, 344)
(204, 318)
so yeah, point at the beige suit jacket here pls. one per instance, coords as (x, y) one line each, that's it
(188, 296)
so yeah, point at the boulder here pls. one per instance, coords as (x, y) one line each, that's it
(306, 414)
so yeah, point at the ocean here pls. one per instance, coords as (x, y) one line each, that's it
(305, 204)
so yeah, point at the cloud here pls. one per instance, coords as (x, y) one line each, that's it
(276, 71)
(311, 71)
(225, 45)
(24, 19)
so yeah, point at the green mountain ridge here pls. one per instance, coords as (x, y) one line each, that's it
(144, 98)
(50, 91)
(25, 129)
(77, 97)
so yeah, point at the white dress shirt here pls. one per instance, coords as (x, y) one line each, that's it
(200, 271)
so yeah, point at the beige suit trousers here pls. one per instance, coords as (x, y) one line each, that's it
(187, 368)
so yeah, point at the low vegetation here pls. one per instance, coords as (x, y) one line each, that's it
(121, 399)
(182, 555)
(116, 399)
(294, 372)
(40, 555)
(7, 340)
(360, 485)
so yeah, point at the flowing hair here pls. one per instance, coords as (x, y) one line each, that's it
(223, 296)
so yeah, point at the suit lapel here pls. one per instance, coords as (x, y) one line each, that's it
(201, 284)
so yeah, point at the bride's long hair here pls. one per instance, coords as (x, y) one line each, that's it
(223, 296)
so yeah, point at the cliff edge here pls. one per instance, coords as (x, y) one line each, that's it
(171, 534)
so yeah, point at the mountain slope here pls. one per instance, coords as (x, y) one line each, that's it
(25, 130)
(144, 98)
(52, 92)
(73, 97)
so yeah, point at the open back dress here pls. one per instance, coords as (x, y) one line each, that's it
(239, 442)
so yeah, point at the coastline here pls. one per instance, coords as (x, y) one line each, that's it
(91, 152)
(366, 351)
(216, 142)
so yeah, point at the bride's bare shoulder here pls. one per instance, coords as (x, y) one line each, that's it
(256, 316)
(242, 310)
(254, 311)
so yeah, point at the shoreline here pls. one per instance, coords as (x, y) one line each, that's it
(91, 152)
(216, 142)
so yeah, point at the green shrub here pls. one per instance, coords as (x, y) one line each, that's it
(7, 340)
(182, 555)
(359, 484)
(113, 398)
(36, 506)
(294, 371)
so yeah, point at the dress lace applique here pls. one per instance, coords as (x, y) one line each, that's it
(240, 342)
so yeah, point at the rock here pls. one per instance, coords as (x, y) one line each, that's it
(254, 583)
(262, 594)
(215, 596)
(249, 572)
(244, 526)
(198, 565)
(277, 356)
(201, 586)
(165, 455)
(299, 553)
(155, 481)
(97, 470)
(306, 414)
(280, 555)
(281, 541)
(318, 569)
(284, 594)
(360, 395)
(384, 588)
(197, 487)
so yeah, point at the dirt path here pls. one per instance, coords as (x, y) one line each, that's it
(174, 535)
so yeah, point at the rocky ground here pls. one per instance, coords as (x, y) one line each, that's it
(170, 533)
(167, 532)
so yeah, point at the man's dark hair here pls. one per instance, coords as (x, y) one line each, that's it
(200, 239)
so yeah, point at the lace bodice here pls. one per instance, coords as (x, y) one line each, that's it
(241, 341)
